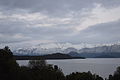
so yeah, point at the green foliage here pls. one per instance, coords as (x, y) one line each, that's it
(37, 63)
(45, 71)
(83, 76)
(8, 66)
(116, 75)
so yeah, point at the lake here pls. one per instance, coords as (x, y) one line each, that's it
(100, 66)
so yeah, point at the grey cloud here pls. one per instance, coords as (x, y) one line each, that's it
(12, 38)
(12, 28)
(9, 29)
(55, 7)
(100, 33)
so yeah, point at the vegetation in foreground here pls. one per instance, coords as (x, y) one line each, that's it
(40, 70)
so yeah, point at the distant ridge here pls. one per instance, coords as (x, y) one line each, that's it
(48, 56)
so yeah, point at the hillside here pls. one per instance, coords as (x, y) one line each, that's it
(48, 56)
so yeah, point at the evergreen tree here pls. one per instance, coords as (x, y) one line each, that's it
(116, 75)
(8, 66)
(83, 76)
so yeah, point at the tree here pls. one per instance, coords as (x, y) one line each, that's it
(55, 67)
(83, 76)
(116, 75)
(39, 64)
(45, 71)
(8, 66)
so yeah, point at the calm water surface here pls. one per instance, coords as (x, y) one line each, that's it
(100, 66)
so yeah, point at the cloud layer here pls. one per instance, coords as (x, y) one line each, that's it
(74, 21)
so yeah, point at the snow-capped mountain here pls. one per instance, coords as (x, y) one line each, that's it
(101, 49)
(70, 49)
(36, 51)
(84, 51)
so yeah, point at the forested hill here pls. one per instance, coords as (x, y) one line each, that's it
(48, 56)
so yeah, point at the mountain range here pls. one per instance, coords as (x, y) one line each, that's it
(112, 51)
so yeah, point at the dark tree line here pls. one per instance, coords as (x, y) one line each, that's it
(40, 70)
(36, 70)
(116, 75)
(83, 76)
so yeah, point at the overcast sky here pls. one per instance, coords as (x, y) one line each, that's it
(64, 21)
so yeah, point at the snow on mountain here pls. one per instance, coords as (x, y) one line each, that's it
(41, 51)
(101, 49)
(36, 51)
(70, 49)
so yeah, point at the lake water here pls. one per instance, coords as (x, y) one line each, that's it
(100, 66)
